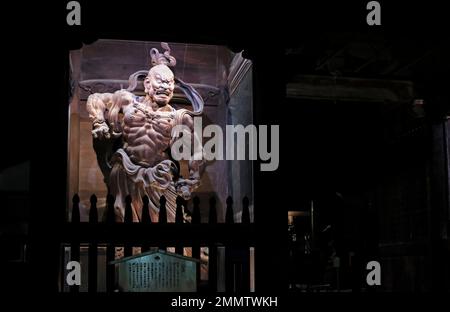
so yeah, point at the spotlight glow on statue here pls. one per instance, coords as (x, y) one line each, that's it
(142, 164)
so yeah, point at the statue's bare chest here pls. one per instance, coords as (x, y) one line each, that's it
(137, 115)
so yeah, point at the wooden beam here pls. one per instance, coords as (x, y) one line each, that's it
(349, 89)
(88, 87)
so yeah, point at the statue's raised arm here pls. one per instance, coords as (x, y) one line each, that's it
(104, 109)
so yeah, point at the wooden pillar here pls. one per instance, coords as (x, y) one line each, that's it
(92, 262)
(212, 249)
(179, 220)
(110, 249)
(269, 186)
(439, 208)
(75, 244)
(195, 246)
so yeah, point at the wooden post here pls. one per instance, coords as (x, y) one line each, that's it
(439, 205)
(145, 219)
(229, 266)
(245, 280)
(245, 219)
(110, 249)
(195, 246)
(229, 215)
(75, 245)
(128, 219)
(179, 220)
(212, 250)
(92, 254)
(75, 209)
(145, 212)
(162, 219)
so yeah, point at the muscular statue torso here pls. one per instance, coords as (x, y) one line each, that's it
(146, 124)
(145, 128)
(147, 133)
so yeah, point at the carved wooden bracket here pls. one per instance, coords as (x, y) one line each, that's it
(238, 68)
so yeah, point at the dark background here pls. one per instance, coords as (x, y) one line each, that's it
(326, 146)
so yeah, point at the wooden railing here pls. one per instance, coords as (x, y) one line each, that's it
(235, 237)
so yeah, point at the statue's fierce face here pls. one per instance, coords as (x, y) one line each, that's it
(159, 84)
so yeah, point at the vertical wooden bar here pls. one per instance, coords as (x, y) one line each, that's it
(439, 205)
(195, 246)
(229, 266)
(92, 260)
(75, 244)
(110, 249)
(162, 218)
(75, 209)
(145, 219)
(212, 249)
(229, 214)
(179, 220)
(245, 220)
(128, 219)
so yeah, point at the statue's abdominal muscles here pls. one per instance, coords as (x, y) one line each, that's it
(147, 134)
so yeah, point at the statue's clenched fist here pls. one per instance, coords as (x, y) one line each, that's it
(101, 131)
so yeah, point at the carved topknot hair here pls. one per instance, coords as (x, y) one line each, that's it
(162, 58)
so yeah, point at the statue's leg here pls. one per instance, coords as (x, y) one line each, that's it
(137, 192)
(119, 189)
